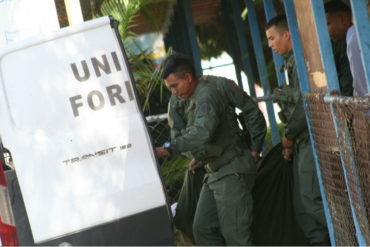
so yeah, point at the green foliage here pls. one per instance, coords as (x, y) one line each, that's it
(173, 171)
(90, 8)
(153, 94)
(208, 45)
(268, 138)
(125, 11)
(244, 14)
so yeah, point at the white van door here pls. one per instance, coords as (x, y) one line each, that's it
(82, 153)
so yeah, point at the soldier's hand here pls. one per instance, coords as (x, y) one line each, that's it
(287, 148)
(161, 152)
(256, 156)
(278, 94)
(288, 153)
(287, 143)
(191, 165)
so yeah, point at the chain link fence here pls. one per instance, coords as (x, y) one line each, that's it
(361, 133)
(327, 149)
(353, 127)
(354, 114)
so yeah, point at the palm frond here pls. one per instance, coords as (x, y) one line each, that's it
(125, 11)
(147, 78)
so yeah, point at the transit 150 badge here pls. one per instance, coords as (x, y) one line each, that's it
(96, 154)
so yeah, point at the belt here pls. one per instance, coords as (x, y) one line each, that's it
(224, 159)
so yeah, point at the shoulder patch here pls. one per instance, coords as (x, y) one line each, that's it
(204, 107)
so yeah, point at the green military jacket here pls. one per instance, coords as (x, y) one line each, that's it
(236, 98)
(343, 69)
(210, 130)
(290, 99)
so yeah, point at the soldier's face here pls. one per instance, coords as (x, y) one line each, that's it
(180, 86)
(279, 41)
(337, 26)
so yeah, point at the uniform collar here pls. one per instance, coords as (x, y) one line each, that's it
(288, 55)
(286, 58)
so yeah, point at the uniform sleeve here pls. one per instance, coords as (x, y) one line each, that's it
(252, 115)
(207, 118)
(175, 119)
(297, 123)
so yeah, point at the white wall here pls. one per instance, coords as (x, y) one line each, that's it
(20, 19)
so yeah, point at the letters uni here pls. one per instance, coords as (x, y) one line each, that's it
(98, 65)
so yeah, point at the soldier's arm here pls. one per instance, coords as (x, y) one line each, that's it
(207, 118)
(176, 123)
(175, 119)
(297, 123)
(251, 113)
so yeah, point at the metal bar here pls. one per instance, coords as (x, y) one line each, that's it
(297, 47)
(192, 36)
(232, 42)
(343, 100)
(261, 65)
(346, 144)
(264, 98)
(218, 66)
(326, 53)
(305, 88)
(278, 60)
(343, 136)
(361, 19)
(243, 46)
(156, 118)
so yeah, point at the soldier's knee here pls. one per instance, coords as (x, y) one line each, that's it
(205, 235)
(199, 229)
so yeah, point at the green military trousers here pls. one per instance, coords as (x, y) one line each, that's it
(307, 197)
(224, 211)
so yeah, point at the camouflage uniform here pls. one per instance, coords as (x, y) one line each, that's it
(210, 133)
(236, 98)
(256, 126)
(307, 198)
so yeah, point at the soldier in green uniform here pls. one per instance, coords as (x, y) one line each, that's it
(254, 121)
(296, 142)
(212, 136)
(236, 98)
